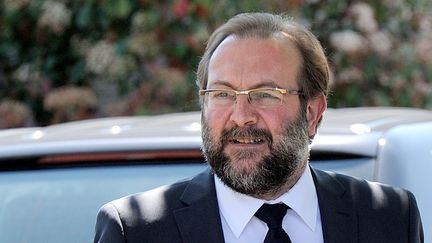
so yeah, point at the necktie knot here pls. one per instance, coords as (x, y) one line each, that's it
(272, 215)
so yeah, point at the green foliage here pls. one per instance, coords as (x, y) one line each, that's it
(139, 56)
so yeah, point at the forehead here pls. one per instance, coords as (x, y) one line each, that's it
(250, 62)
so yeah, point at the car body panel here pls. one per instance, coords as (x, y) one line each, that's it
(341, 129)
(406, 161)
(57, 176)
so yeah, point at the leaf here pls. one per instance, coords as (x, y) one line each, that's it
(428, 103)
(10, 53)
(77, 72)
(206, 3)
(118, 8)
(84, 16)
(50, 63)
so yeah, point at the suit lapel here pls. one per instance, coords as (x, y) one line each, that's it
(339, 220)
(199, 220)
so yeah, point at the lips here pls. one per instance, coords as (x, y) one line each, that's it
(247, 140)
(250, 136)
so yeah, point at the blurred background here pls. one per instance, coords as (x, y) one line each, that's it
(66, 60)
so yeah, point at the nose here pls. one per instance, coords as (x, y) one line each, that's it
(243, 113)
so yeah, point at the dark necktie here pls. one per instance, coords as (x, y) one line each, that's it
(272, 215)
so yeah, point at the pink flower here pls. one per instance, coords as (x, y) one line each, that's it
(423, 48)
(55, 15)
(380, 43)
(364, 17)
(348, 42)
(14, 114)
(100, 57)
(181, 8)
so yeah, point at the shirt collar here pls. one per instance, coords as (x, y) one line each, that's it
(238, 209)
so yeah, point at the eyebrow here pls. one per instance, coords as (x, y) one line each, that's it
(266, 83)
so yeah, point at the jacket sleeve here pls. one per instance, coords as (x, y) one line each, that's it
(109, 227)
(415, 224)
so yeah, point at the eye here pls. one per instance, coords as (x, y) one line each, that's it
(264, 95)
(222, 94)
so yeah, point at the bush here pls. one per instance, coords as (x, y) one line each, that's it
(138, 56)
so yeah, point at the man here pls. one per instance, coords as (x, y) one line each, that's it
(264, 82)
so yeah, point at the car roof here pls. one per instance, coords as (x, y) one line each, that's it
(371, 119)
(348, 130)
(358, 130)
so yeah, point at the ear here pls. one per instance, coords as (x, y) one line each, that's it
(315, 110)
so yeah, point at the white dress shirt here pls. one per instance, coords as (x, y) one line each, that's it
(302, 223)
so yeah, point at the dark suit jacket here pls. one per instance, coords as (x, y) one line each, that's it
(352, 210)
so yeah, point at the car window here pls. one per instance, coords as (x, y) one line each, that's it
(357, 167)
(60, 205)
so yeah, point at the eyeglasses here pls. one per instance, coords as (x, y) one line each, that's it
(263, 97)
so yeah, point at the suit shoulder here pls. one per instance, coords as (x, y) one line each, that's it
(380, 210)
(151, 198)
(150, 216)
(363, 191)
(142, 215)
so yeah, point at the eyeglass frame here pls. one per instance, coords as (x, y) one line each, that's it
(202, 92)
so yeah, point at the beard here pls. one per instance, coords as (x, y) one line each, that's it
(269, 174)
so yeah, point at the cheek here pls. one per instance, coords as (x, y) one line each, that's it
(216, 121)
(276, 121)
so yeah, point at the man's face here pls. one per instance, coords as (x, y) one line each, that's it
(252, 149)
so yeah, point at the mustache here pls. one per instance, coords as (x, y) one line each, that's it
(249, 132)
